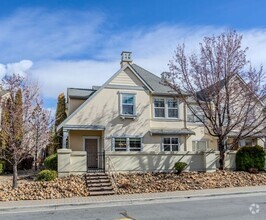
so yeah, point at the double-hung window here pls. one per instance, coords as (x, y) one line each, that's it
(127, 144)
(192, 117)
(200, 145)
(165, 108)
(127, 104)
(159, 107)
(170, 144)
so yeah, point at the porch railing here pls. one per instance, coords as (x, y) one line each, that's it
(112, 172)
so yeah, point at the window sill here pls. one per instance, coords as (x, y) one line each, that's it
(167, 119)
(195, 123)
(123, 117)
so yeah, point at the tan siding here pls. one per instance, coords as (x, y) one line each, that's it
(76, 138)
(73, 104)
(126, 78)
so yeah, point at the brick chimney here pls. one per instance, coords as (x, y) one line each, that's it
(125, 58)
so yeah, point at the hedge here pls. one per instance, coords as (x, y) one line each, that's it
(250, 157)
(50, 162)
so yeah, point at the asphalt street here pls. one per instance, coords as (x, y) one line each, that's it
(250, 207)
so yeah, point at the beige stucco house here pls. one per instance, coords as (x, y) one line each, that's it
(133, 122)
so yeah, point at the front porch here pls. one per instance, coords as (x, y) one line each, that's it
(82, 150)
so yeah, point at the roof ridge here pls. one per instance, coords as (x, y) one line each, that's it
(80, 88)
(145, 70)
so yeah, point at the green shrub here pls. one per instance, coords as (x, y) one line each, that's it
(250, 157)
(47, 175)
(2, 166)
(50, 162)
(180, 166)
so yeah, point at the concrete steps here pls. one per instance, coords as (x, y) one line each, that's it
(99, 184)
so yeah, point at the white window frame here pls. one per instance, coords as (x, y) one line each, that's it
(195, 119)
(121, 104)
(166, 108)
(171, 145)
(196, 142)
(127, 144)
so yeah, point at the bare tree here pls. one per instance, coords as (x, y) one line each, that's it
(40, 121)
(219, 83)
(19, 114)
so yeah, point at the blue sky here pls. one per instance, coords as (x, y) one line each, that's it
(77, 43)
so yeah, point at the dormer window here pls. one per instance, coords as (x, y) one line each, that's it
(127, 104)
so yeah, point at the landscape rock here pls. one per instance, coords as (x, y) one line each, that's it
(161, 182)
(72, 186)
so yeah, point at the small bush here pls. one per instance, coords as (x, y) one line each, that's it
(180, 166)
(250, 157)
(50, 162)
(2, 166)
(47, 175)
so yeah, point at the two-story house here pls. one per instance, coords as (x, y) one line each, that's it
(133, 122)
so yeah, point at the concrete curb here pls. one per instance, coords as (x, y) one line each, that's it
(132, 201)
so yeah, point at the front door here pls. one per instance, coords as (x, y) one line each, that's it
(91, 146)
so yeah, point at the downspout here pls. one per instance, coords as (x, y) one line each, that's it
(185, 123)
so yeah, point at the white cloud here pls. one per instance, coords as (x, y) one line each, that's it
(55, 76)
(78, 49)
(20, 68)
(152, 49)
(2, 70)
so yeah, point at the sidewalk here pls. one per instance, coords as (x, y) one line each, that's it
(31, 205)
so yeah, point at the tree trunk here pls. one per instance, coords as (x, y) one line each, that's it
(35, 160)
(15, 175)
(222, 156)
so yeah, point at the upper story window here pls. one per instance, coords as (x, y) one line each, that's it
(193, 118)
(165, 108)
(127, 104)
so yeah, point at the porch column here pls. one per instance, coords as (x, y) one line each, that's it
(185, 143)
(65, 135)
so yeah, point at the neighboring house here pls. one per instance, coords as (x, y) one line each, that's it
(132, 123)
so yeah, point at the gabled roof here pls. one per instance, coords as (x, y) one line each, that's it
(152, 80)
(80, 93)
(205, 94)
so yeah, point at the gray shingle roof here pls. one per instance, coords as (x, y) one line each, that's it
(3, 92)
(79, 93)
(155, 82)
(182, 131)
